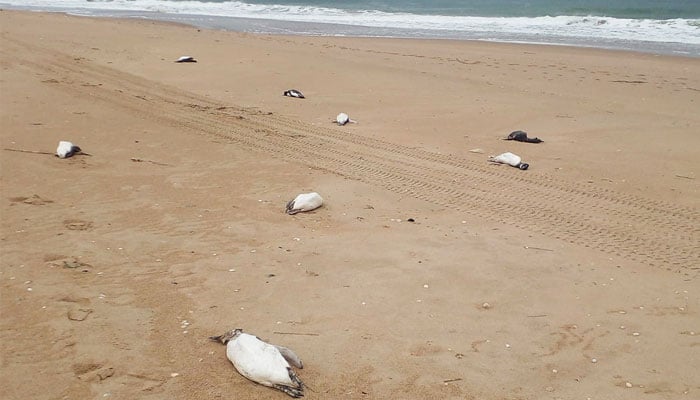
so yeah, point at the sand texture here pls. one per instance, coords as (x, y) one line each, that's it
(429, 273)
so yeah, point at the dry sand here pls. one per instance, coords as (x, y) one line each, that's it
(509, 284)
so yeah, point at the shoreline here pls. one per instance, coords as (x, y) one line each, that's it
(428, 272)
(311, 29)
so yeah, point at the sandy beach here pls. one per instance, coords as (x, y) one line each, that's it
(429, 273)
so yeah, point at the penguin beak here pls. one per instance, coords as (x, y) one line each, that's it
(216, 338)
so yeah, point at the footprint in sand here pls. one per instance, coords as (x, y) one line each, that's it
(92, 371)
(77, 224)
(35, 200)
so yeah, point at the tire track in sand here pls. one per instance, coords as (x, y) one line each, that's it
(598, 218)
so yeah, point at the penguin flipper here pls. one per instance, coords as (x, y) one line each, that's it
(290, 356)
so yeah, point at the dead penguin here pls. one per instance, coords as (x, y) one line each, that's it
(343, 119)
(261, 362)
(294, 93)
(304, 202)
(521, 136)
(510, 159)
(67, 149)
(186, 59)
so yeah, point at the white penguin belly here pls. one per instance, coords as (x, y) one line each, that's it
(258, 361)
(342, 119)
(508, 158)
(64, 148)
(305, 202)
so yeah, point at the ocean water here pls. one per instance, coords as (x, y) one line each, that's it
(656, 26)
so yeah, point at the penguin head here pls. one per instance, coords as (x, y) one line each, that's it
(227, 337)
(524, 166)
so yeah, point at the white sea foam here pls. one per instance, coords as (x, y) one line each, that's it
(684, 31)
